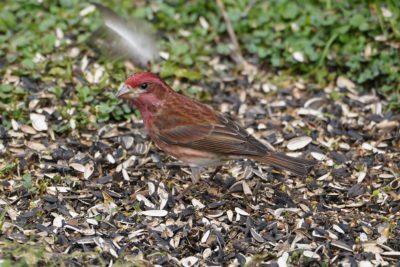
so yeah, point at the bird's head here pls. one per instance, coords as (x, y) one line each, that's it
(142, 83)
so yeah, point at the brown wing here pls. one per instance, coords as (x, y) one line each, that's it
(222, 137)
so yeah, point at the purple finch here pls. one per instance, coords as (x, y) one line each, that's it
(193, 132)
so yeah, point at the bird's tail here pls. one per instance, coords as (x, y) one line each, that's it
(295, 165)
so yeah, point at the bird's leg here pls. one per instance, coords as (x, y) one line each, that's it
(196, 171)
(214, 173)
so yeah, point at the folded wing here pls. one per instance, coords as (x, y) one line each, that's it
(222, 137)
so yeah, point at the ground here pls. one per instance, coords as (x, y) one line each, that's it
(82, 185)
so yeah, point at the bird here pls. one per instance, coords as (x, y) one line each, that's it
(194, 133)
(130, 39)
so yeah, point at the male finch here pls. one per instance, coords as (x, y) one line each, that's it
(194, 133)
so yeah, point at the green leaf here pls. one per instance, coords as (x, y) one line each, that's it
(276, 60)
(48, 43)
(357, 20)
(7, 21)
(185, 73)
(6, 88)
(28, 63)
(58, 91)
(47, 23)
(262, 52)
(180, 48)
(291, 10)
(187, 60)
(85, 94)
(223, 49)
(67, 3)
(168, 69)
(57, 71)
(27, 181)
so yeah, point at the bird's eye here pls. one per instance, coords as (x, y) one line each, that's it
(143, 86)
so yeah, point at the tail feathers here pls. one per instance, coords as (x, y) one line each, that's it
(295, 165)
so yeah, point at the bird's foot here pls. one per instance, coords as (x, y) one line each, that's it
(185, 191)
(196, 180)
(212, 176)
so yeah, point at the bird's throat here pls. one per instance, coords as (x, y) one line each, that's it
(148, 104)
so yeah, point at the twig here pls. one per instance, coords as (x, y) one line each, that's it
(248, 8)
(238, 57)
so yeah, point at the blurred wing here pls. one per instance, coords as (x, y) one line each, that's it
(121, 38)
(224, 137)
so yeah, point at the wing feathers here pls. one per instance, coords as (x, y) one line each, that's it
(223, 137)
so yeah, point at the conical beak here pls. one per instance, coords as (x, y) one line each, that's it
(123, 90)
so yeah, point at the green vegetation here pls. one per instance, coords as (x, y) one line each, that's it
(315, 40)
(8, 167)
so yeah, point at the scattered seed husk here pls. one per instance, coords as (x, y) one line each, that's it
(299, 142)
(38, 122)
(318, 156)
(58, 221)
(343, 82)
(241, 212)
(310, 254)
(256, 236)
(282, 261)
(197, 204)
(229, 213)
(78, 167)
(147, 202)
(388, 125)
(391, 254)
(207, 253)
(154, 213)
(127, 141)
(110, 158)
(338, 229)
(88, 171)
(205, 236)
(28, 129)
(215, 214)
(361, 177)
(36, 146)
(341, 245)
(189, 261)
